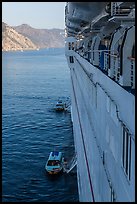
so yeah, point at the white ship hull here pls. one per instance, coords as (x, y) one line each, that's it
(103, 115)
(98, 163)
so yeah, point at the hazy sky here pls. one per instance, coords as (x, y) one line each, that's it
(36, 14)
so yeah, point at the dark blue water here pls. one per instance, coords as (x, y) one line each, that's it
(32, 82)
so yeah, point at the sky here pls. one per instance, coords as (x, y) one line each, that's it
(44, 15)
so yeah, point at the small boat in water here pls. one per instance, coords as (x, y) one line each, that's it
(60, 106)
(54, 164)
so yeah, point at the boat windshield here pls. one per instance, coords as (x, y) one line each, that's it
(53, 163)
(59, 104)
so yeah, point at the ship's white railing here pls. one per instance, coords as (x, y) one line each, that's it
(107, 54)
(111, 65)
(114, 64)
(115, 67)
(132, 68)
(106, 61)
(95, 56)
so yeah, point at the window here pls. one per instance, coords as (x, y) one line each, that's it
(69, 46)
(126, 154)
(72, 45)
(71, 59)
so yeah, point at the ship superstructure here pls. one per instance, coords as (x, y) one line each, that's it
(100, 50)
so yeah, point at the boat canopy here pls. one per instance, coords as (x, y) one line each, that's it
(55, 156)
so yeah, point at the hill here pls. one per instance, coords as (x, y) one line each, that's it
(12, 40)
(42, 37)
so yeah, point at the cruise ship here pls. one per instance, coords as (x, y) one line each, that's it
(100, 52)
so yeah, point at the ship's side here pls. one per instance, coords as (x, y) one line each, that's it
(100, 43)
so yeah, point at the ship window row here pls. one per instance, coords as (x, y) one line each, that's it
(126, 152)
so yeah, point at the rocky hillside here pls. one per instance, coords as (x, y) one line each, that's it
(42, 37)
(12, 40)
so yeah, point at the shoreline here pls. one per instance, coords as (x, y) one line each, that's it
(30, 49)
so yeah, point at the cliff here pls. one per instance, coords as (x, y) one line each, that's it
(12, 40)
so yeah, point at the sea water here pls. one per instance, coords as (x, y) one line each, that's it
(32, 82)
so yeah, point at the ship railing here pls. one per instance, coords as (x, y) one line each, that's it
(92, 54)
(113, 68)
(132, 71)
(107, 54)
(106, 60)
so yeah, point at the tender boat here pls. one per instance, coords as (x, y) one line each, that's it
(60, 106)
(54, 164)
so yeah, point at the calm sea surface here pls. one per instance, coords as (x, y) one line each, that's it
(32, 82)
